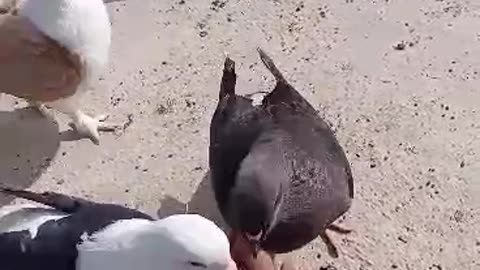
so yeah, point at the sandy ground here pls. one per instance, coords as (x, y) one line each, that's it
(398, 80)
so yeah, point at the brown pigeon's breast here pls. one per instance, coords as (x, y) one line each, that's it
(33, 66)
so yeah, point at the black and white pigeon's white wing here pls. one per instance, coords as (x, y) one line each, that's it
(52, 243)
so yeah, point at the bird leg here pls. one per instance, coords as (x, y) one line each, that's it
(85, 125)
(287, 265)
(90, 126)
(42, 109)
(332, 249)
(338, 229)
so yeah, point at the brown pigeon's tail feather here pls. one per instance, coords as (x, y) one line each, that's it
(268, 62)
(229, 79)
(58, 201)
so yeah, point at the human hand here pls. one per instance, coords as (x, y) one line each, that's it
(243, 256)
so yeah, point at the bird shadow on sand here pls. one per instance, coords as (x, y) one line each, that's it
(202, 202)
(28, 143)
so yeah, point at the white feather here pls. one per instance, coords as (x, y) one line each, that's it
(171, 243)
(257, 98)
(82, 26)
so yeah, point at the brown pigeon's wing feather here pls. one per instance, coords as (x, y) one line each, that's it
(33, 66)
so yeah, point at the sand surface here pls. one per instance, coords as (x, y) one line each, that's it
(398, 80)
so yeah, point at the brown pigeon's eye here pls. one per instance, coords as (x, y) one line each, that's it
(197, 264)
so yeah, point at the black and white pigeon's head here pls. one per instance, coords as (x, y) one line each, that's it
(178, 242)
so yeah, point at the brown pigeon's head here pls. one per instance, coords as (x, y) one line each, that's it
(256, 197)
(250, 217)
(253, 206)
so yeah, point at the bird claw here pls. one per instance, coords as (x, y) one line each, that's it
(332, 249)
(90, 126)
(42, 109)
(105, 127)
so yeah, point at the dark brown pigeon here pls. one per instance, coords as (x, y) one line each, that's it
(279, 175)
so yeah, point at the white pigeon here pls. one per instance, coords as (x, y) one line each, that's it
(50, 51)
(76, 234)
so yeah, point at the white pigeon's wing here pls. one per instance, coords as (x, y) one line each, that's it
(33, 66)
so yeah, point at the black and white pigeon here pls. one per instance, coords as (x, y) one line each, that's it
(279, 175)
(76, 234)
